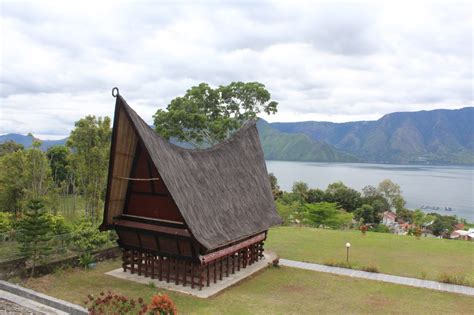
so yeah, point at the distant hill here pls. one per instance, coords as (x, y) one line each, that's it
(278, 145)
(432, 137)
(26, 141)
(426, 137)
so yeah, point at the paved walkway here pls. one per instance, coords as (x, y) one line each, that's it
(446, 287)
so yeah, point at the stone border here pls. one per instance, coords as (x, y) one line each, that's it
(43, 299)
(206, 292)
(419, 283)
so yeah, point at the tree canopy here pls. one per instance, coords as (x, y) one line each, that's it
(206, 116)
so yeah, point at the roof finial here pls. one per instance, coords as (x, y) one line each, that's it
(115, 92)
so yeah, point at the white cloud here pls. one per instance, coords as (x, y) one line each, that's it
(336, 61)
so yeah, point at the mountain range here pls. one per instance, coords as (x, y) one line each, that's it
(439, 136)
(27, 140)
(428, 137)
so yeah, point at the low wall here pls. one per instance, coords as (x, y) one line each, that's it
(17, 267)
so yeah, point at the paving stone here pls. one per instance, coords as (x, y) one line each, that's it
(434, 285)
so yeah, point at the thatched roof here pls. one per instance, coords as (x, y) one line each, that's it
(223, 192)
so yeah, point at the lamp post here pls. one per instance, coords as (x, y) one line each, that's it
(348, 245)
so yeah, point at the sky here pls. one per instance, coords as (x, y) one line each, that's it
(321, 60)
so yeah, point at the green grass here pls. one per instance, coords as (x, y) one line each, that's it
(9, 251)
(391, 254)
(272, 291)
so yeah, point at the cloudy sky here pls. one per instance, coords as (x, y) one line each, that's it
(332, 61)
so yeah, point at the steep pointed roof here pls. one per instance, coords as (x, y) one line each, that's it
(223, 192)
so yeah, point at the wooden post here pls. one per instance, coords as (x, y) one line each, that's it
(185, 272)
(168, 265)
(227, 269)
(215, 272)
(192, 275)
(200, 277)
(220, 268)
(207, 274)
(160, 271)
(238, 261)
(233, 263)
(176, 264)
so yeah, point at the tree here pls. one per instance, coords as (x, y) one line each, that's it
(327, 214)
(9, 147)
(348, 198)
(37, 172)
(59, 158)
(315, 195)
(405, 215)
(300, 189)
(90, 141)
(275, 187)
(443, 225)
(369, 191)
(367, 213)
(13, 184)
(392, 193)
(206, 116)
(34, 233)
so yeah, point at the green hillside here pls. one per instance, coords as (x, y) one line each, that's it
(432, 137)
(297, 147)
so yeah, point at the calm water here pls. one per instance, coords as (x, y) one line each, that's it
(441, 186)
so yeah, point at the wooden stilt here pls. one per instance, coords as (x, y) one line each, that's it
(168, 265)
(220, 268)
(200, 277)
(176, 264)
(215, 272)
(185, 273)
(192, 275)
(207, 275)
(227, 269)
(160, 268)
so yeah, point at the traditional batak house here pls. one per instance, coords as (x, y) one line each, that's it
(185, 215)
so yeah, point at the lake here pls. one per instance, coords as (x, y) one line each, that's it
(434, 186)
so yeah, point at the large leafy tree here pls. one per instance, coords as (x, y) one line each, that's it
(392, 193)
(90, 142)
(9, 147)
(349, 199)
(367, 213)
(37, 172)
(13, 184)
(327, 214)
(59, 157)
(206, 115)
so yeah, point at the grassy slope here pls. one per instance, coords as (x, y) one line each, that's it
(272, 291)
(392, 254)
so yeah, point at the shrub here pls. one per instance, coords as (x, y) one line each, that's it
(161, 304)
(113, 303)
(5, 226)
(85, 237)
(85, 260)
(370, 268)
(454, 279)
(380, 228)
(340, 264)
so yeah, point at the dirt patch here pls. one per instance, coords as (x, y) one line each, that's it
(379, 301)
(41, 284)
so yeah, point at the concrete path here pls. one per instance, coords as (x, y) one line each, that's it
(37, 302)
(434, 285)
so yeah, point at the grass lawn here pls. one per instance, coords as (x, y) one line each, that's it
(392, 254)
(272, 291)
